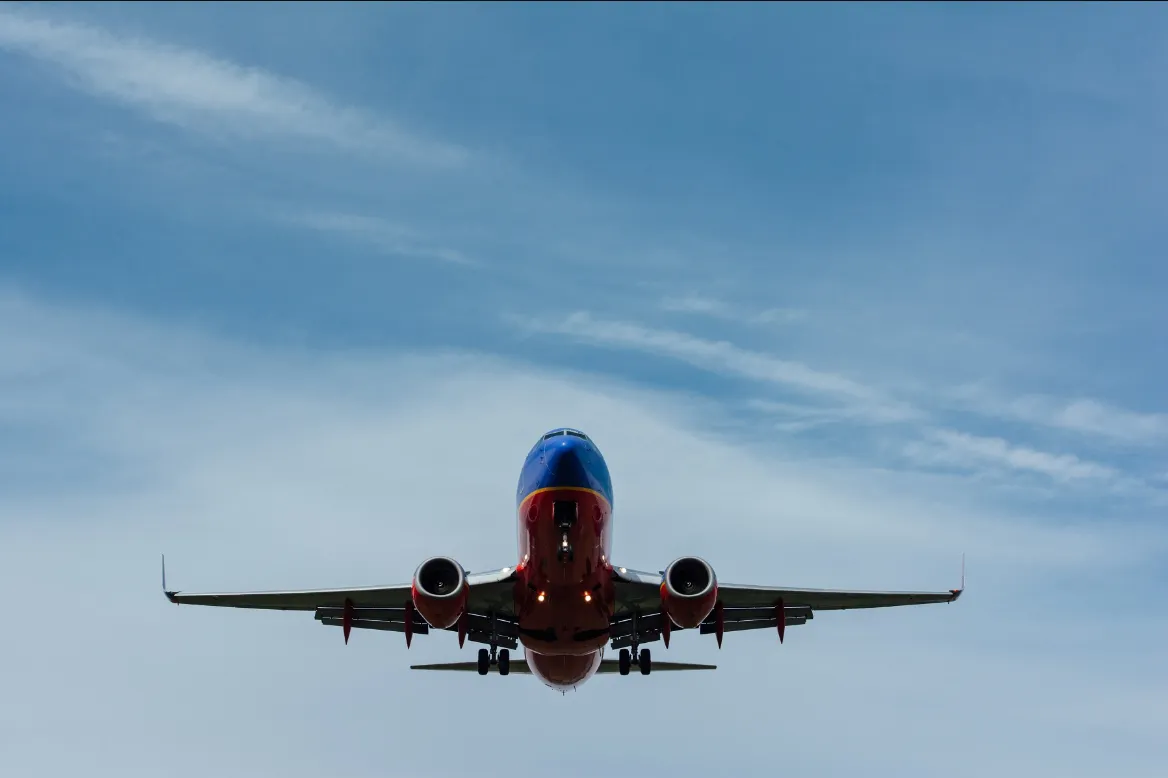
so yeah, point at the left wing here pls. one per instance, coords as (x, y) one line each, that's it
(744, 607)
(379, 607)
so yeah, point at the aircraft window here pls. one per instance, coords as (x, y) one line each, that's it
(576, 434)
(553, 434)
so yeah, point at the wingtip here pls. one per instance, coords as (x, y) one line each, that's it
(170, 595)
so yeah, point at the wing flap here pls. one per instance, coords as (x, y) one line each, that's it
(741, 626)
(385, 626)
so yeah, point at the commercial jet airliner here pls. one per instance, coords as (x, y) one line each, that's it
(564, 600)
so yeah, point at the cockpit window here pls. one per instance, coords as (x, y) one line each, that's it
(573, 433)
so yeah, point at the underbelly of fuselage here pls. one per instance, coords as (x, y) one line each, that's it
(564, 597)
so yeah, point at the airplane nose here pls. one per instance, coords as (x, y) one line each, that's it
(564, 460)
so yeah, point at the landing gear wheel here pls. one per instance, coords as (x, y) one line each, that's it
(645, 662)
(484, 661)
(623, 661)
(504, 662)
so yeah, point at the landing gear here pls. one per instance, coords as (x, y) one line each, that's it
(504, 662)
(641, 658)
(564, 513)
(493, 656)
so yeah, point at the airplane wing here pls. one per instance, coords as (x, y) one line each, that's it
(379, 607)
(744, 607)
(607, 666)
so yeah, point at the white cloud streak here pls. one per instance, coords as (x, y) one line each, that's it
(959, 448)
(1081, 415)
(726, 358)
(380, 235)
(200, 93)
(708, 306)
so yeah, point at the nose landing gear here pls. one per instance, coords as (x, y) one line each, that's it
(564, 513)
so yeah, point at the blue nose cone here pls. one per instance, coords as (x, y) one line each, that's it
(566, 460)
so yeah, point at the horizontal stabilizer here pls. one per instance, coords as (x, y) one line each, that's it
(519, 667)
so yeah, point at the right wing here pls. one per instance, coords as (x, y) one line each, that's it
(380, 607)
(744, 607)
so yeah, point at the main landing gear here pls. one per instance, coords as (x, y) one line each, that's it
(488, 658)
(641, 659)
(495, 656)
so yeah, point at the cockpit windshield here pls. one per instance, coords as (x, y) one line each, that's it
(573, 433)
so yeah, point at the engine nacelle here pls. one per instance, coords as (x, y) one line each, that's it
(689, 591)
(440, 591)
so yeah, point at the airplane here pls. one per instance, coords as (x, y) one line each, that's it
(564, 600)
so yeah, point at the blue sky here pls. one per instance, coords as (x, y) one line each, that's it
(842, 292)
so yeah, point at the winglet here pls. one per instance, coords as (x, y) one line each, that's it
(169, 594)
(957, 592)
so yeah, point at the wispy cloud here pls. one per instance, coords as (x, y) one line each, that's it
(204, 94)
(726, 358)
(380, 235)
(708, 306)
(796, 417)
(961, 449)
(1079, 415)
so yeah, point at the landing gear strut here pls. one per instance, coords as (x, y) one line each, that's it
(642, 659)
(495, 656)
(564, 514)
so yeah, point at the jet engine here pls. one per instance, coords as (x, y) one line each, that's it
(689, 591)
(440, 591)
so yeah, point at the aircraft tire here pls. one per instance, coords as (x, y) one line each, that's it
(645, 662)
(484, 661)
(504, 661)
(624, 661)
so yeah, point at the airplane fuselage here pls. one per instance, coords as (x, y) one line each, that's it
(564, 594)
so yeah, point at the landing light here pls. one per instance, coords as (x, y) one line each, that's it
(587, 597)
(541, 597)
(623, 570)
